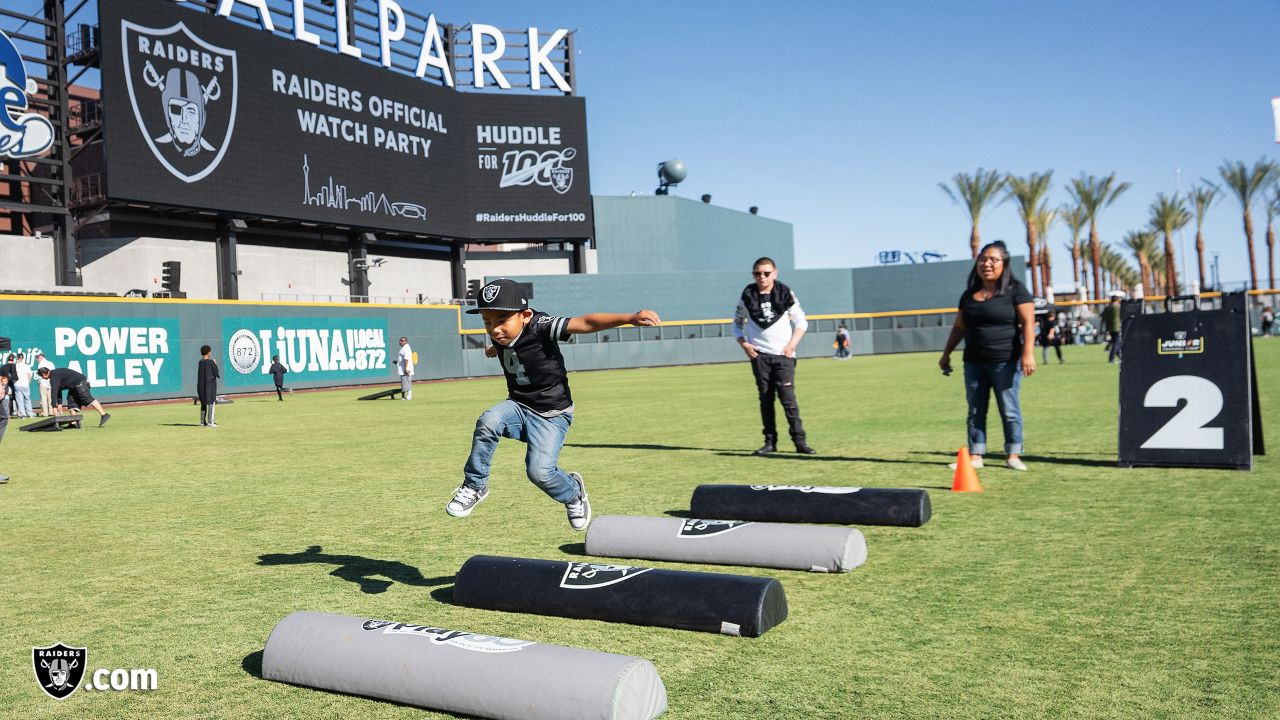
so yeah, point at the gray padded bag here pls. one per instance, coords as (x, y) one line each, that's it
(460, 672)
(728, 542)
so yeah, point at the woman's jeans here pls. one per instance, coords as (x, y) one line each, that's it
(544, 436)
(1004, 378)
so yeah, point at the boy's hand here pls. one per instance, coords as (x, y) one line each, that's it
(490, 351)
(646, 317)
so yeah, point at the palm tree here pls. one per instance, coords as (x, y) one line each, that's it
(1113, 263)
(974, 192)
(1044, 219)
(1273, 209)
(1095, 195)
(1168, 215)
(1143, 245)
(1245, 182)
(1028, 192)
(1202, 197)
(1075, 218)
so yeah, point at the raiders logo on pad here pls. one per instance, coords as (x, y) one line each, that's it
(587, 576)
(59, 669)
(707, 528)
(183, 91)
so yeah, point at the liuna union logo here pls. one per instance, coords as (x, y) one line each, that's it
(244, 351)
(22, 134)
(183, 91)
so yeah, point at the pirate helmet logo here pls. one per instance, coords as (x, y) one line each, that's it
(59, 669)
(183, 90)
(490, 292)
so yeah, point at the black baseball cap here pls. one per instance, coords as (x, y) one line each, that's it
(501, 294)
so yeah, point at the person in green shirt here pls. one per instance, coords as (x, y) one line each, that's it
(1111, 325)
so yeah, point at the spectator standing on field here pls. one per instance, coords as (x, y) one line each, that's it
(10, 370)
(1268, 319)
(1050, 336)
(46, 404)
(277, 375)
(404, 366)
(207, 386)
(1111, 326)
(4, 415)
(768, 323)
(842, 342)
(22, 390)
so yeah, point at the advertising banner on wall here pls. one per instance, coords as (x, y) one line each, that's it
(119, 356)
(204, 113)
(312, 349)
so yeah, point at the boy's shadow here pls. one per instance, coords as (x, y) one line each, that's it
(359, 570)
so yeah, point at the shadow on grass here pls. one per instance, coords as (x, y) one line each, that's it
(1055, 459)
(252, 665)
(643, 446)
(821, 458)
(685, 514)
(360, 570)
(180, 425)
(579, 549)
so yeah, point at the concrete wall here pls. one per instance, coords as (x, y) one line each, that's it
(492, 265)
(404, 278)
(672, 234)
(890, 288)
(118, 265)
(26, 263)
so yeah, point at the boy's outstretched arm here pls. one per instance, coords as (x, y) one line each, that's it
(595, 322)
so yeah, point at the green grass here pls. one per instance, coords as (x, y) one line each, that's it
(1076, 590)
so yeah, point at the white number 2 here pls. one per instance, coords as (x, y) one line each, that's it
(1186, 430)
(512, 363)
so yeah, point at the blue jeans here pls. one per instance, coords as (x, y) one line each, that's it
(980, 379)
(544, 436)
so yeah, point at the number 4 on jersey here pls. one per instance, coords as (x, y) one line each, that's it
(512, 363)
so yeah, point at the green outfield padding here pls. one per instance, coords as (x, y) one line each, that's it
(460, 672)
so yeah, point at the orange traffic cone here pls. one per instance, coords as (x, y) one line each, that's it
(966, 478)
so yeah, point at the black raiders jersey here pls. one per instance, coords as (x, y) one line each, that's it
(536, 376)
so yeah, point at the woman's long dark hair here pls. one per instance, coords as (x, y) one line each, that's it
(1006, 279)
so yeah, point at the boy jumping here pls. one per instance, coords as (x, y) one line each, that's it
(539, 408)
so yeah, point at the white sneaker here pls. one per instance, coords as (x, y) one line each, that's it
(1015, 464)
(579, 510)
(975, 463)
(465, 499)
(213, 424)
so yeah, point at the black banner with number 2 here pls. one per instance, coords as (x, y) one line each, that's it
(1188, 388)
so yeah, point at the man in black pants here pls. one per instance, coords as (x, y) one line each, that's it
(768, 323)
(77, 387)
(277, 374)
(4, 414)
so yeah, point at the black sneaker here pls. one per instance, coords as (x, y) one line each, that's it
(103, 420)
(579, 511)
(766, 449)
(804, 449)
(465, 499)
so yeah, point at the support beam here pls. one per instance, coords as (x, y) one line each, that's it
(358, 262)
(458, 268)
(578, 264)
(228, 271)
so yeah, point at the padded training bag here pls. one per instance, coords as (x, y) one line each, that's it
(712, 602)
(908, 507)
(460, 672)
(728, 542)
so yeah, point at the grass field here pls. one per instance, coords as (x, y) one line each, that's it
(1076, 590)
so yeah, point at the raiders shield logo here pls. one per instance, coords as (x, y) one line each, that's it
(809, 489)
(588, 576)
(707, 528)
(183, 90)
(561, 179)
(490, 292)
(59, 669)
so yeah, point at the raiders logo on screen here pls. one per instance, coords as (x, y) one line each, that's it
(59, 669)
(530, 167)
(587, 576)
(808, 489)
(183, 90)
(707, 528)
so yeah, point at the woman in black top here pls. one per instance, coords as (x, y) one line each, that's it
(997, 323)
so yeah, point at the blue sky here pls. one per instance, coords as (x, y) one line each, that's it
(842, 117)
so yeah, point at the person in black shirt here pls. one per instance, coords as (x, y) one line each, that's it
(207, 386)
(997, 323)
(539, 406)
(277, 374)
(10, 370)
(77, 387)
(4, 414)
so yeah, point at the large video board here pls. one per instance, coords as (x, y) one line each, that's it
(203, 113)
